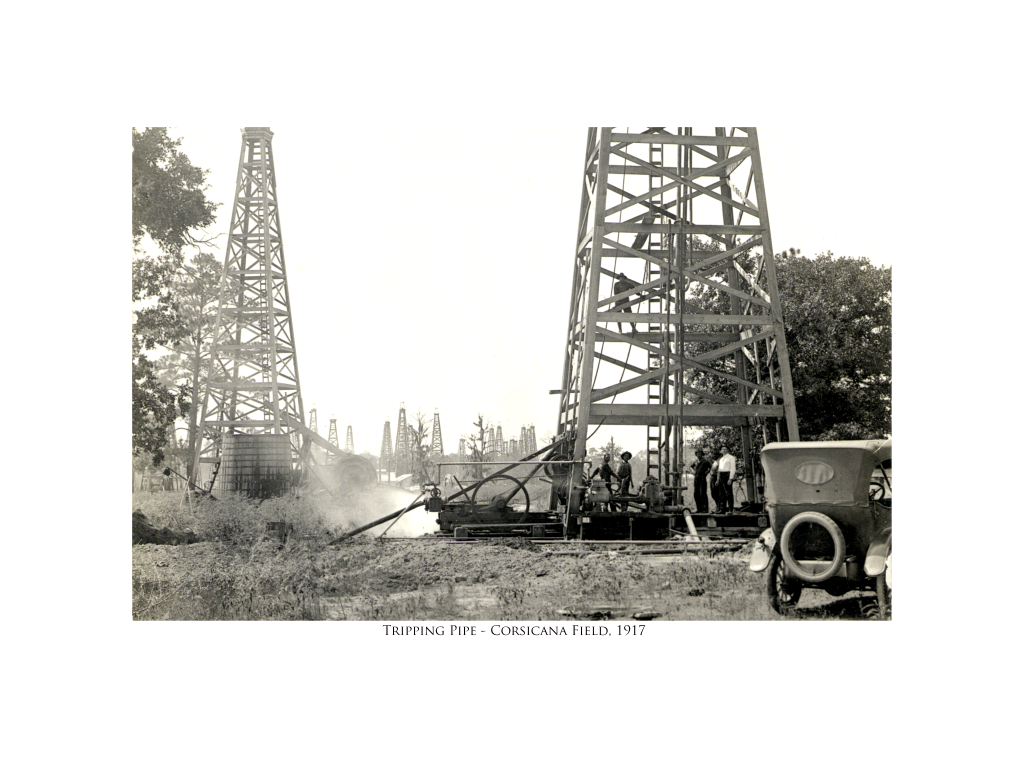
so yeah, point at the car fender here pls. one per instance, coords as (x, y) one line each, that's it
(763, 549)
(879, 549)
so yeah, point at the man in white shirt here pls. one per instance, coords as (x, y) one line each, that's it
(726, 472)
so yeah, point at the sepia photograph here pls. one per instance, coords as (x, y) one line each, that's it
(550, 375)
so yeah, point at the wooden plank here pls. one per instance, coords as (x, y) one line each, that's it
(707, 141)
(631, 384)
(729, 320)
(632, 201)
(693, 410)
(730, 348)
(620, 363)
(753, 284)
(705, 172)
(664, 317)
(704, 190)
(609, 334)
(661, 264)
(307, 433)
(687, 229)
(703, 265)
(639, 289)
(725, 288)
(650, 376)
(587, 238)
(252, 386)
(773, 289)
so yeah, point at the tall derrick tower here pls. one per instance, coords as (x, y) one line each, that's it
(675, 318)
(403, 454)
(252, 401)
(317, 451)
(436, 443)
(386, 459)
(332, 433)
(350, 444)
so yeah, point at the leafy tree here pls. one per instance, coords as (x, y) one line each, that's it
(838, 315)
(194, 291)
(168, 204)
(611, 448)
(168, 193)
(838, 318)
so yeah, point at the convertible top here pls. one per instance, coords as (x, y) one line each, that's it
(882, 449)
(822, 472)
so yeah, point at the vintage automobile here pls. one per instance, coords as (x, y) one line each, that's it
(829, 504)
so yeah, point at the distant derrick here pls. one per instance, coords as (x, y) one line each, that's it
(436, 444)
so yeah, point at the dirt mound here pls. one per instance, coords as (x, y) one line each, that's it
(145, 533)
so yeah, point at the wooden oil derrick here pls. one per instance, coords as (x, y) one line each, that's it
(675, 317)
(462, 447)
(252, 401)
(436, 443)
(317, 451)
(403, 452)
(386, 455)
(332, 434)
(350, 444)
(499, 441)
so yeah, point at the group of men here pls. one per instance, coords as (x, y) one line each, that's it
(722, 472)
(624, 473)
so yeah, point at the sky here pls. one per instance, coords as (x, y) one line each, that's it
(432, 266)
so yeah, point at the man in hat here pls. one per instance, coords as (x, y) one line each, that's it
(605, 471)
(625, 473)
(726, 472)
(623, 284)
(701, 468)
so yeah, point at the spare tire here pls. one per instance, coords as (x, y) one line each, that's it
(838, 542)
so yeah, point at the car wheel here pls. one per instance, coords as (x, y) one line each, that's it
(884, 593)
(830, 568)
(783, 593)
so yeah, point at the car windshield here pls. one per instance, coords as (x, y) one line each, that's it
(881, 481)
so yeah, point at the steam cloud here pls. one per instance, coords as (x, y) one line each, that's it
(359, 508)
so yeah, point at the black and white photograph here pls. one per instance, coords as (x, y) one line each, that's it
(553, 375)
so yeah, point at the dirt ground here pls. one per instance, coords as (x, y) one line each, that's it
(430, 579)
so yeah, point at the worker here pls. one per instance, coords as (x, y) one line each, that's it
(625, 473)
(716, 490)
(606, 472)
(624, 284)
(726, 473)
(701, 468)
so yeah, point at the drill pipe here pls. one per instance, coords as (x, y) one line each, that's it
(461, 492)
(378, 522)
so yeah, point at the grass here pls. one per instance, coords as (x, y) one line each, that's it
(238, 573)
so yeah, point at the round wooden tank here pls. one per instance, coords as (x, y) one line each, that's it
(255, 465)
